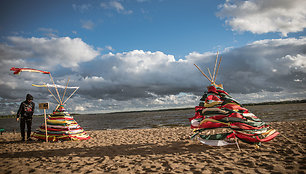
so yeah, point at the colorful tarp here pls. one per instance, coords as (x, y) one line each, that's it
(61, 126)
(219, 120)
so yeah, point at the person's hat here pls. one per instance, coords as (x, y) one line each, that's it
(29, 97)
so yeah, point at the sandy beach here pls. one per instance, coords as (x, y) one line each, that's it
(156, 150)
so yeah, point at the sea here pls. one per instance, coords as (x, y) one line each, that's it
(163, 118)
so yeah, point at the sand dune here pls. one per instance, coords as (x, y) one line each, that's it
(160, 150)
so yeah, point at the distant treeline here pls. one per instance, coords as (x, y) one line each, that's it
(247, 104)
(276, 103)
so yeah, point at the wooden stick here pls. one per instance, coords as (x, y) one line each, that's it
(71, 95)
(52, 94)
(202, 73)
(65, 88)
(292, 141)
(57, 107)
(56, 89)
(215, 66)
(46, 125)
(237, 143)
(209, 73)
(297, 143)
(218, 68)
(214, 109)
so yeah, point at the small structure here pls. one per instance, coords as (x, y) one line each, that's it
(60, 124)
(220, 120)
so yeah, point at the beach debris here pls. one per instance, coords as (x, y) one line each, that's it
(220, 120)
(60, 125)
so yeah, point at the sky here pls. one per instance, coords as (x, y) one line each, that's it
(128, 55)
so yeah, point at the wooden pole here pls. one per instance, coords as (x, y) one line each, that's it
(57, 106)
(56, 89)
(292, 141)
(215, 66)
(65, 89)
(71, 95)
(46, 125)
(209, 74)
(202, 73)
(218, 68)
(237, 142)
(52, 95)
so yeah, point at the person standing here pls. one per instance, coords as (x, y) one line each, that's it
(24, 115)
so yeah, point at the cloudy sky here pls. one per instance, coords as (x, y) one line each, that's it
(139, 54)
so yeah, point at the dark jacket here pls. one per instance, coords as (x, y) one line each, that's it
(26, 108)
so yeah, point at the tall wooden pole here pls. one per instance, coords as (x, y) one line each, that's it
(218, 68)
(52, 95)
(70, 95)
(209, 74)
(202, 73)
(215, 67)
(65, 89)
(46, 125)
(56, 89)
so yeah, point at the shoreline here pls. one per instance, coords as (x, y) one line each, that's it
(161, 150)
(172, 109)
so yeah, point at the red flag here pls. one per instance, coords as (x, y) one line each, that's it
(18, 70)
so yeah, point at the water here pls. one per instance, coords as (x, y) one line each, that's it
(170, 118)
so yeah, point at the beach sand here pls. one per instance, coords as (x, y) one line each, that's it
(157, 150)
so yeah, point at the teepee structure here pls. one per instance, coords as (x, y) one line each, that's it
(60, 125)
(220, 120)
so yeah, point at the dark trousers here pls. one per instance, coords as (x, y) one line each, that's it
(23, 122)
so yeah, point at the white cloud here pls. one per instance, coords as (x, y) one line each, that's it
(269, 65)
(81, 8)
(108, 47)
(79, 108)
(143, 1)
(50, 32)
(264, 16)
(87, 24)
(137, 79)
(48, 52)
(116, 6)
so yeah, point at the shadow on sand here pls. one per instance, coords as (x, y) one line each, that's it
(115, 150)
